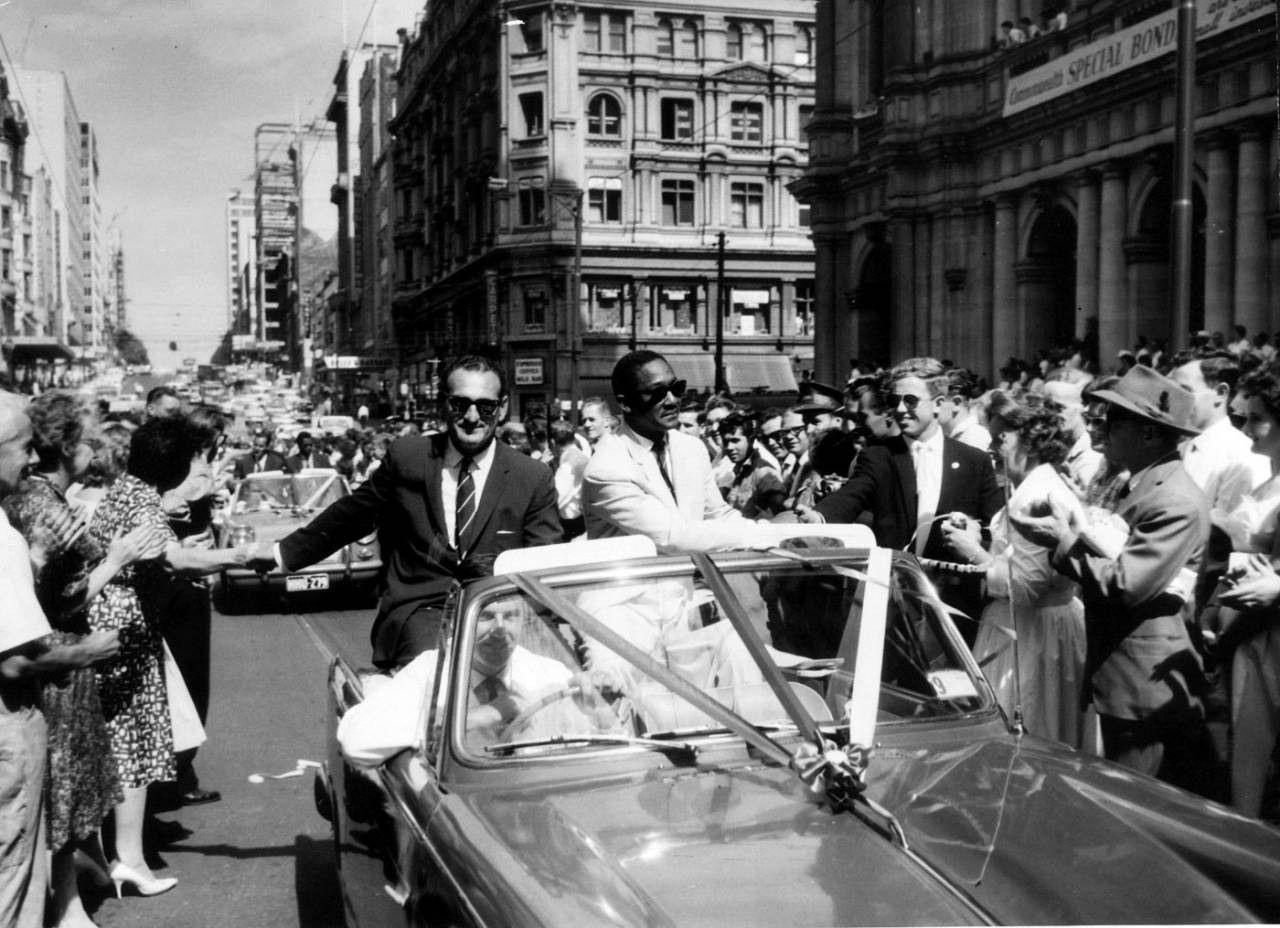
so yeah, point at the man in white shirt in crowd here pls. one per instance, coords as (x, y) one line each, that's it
(650, 478)
(506, 678)
(1064, 393)
(955, 410)
(571, 464)
(1220, 459)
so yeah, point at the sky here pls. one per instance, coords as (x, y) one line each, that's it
(175, 89)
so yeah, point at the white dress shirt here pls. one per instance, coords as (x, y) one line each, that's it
(22, 620)
(926, 455)
(481, 465)
(1221, 462)
(972, 433)
(1082, 461)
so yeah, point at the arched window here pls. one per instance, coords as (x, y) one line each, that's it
(757, 44)
(666, 47)
(733, 42)
(687, 40)
(804, 46)
(604, 115)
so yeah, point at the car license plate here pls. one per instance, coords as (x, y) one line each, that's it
(303, 583)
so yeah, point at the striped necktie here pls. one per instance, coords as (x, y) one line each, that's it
(466, 507)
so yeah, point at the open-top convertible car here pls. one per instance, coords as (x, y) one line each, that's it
(269, 505)
(795, 736)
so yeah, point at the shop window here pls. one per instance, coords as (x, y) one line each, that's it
(751, 308)
(673, 309)
(677, 202)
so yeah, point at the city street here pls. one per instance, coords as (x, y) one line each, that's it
(262, 855)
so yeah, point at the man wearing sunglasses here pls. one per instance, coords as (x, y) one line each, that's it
(912, 483)
(444, 507)
(649, 478)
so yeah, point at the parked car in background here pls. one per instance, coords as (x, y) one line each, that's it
(788, 737)
(269, 505)
(336, 426)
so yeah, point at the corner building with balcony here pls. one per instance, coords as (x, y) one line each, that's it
(976, 202)
(563, 173)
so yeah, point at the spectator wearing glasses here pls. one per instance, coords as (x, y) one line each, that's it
(652, 479)
(912, 483)
(444, 506)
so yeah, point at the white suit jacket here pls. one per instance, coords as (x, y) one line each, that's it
(623, 493)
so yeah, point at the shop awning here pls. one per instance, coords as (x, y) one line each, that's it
(28, 348)
(770, 372)
(698, 369)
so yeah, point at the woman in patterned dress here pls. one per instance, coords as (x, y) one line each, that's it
(132, 685)
(81, 784)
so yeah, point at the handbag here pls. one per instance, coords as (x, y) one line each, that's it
(188, 733)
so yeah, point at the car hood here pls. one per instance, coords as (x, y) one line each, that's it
(1028, 833)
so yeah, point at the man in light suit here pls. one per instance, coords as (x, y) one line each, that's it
(260, 458)
(649, 478)
(444, 507)
(911, 483)
(1142, 671)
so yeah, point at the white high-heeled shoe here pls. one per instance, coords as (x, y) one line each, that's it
(123, 876)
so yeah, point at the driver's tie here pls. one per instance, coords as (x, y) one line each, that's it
(491, 691)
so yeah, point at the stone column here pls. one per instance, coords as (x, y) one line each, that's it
(920, 273)
(936, 344)
(901, 320)
(1147, 259)
(981, 357)
(830, 305)
(1252, 252)
(1273, 239)
(1219, 263)
(1113, 325)
(1086, 250)
(1004, 284)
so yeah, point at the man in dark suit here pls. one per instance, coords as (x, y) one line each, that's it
(308, 456)
(910, 483)
(1142, 671)
(261, 458)
(444, 507)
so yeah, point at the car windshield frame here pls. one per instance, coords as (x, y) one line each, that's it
(290, 493)
(909, 586)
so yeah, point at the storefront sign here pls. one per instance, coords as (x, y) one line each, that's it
(528, 372)
(1146, 41)
(491, 305)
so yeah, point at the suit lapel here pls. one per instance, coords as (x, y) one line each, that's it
(647, 464)
(493, 486)
(950, 474)
(431, 479)
(906, 473)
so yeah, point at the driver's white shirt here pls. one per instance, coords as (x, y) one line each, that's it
(392, 716)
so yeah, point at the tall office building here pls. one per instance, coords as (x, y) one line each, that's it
(241, 275)
(96, 310)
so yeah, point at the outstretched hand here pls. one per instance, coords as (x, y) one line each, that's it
(1048, 524)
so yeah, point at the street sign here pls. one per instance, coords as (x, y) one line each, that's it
(528, 372)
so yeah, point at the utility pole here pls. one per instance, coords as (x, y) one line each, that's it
(721, 303)
(1183, 160)
(575, 310)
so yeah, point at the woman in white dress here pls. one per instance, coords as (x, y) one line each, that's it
(1031, 637)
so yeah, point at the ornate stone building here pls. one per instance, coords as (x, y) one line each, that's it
(563, 175)
(977, 202)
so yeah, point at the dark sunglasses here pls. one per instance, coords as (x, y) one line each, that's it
(459, 406)
(1096, 422)
(793, 430)
(661, 391)
(892, 400)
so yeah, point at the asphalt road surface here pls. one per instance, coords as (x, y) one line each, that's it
(262, 857)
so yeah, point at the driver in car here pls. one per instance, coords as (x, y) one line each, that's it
(508, 683)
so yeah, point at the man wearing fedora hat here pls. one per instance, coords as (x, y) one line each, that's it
(1143, 674)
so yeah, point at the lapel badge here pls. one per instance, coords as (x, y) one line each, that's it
(955, 465)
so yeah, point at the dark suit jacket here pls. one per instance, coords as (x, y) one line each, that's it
(296, 462)
(1140, 661)
(884, 484)
(245, 464)
(402, 502)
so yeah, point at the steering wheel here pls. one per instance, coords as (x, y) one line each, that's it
(528, 712)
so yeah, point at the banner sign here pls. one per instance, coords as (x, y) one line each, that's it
(1146, 41)
(528, 372)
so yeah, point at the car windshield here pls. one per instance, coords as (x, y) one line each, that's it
(537, 676)
(276, 492)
